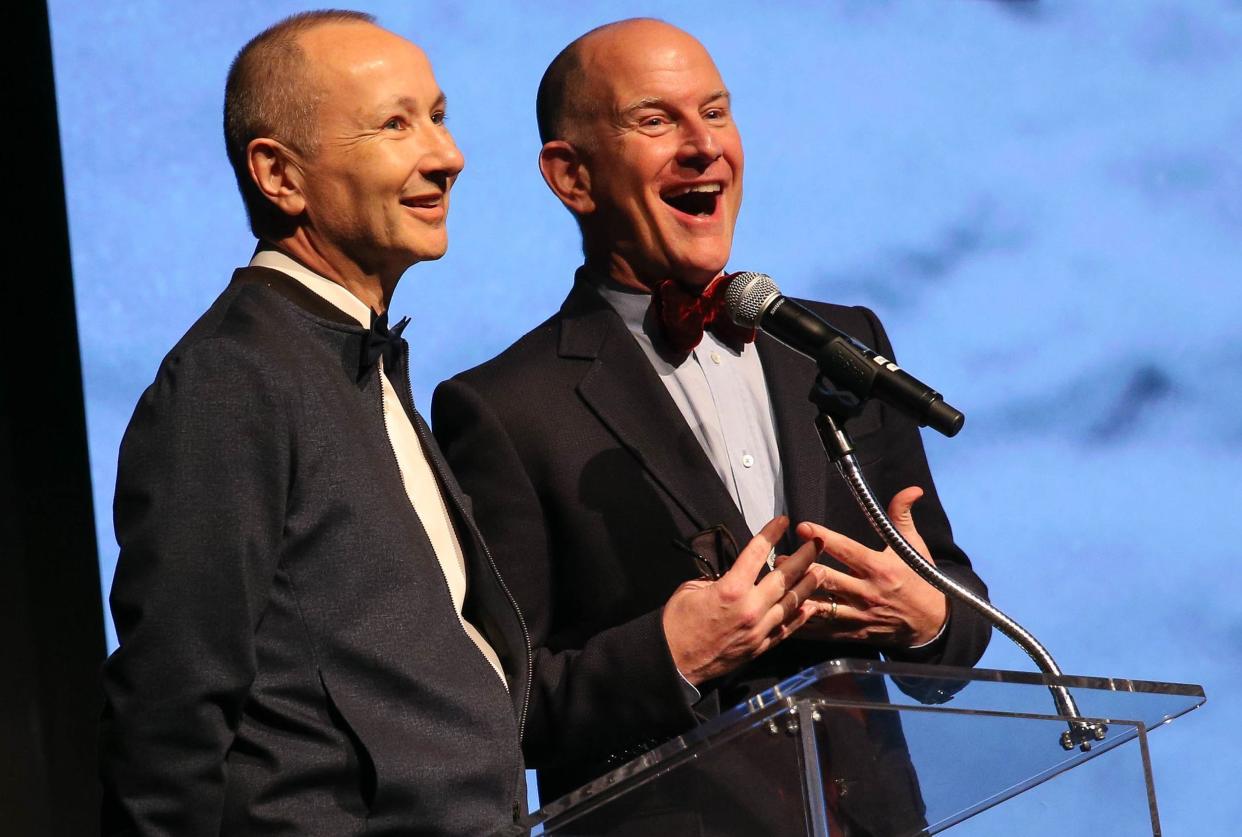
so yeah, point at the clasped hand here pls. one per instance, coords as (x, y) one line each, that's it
(712, 627)
(880, 599)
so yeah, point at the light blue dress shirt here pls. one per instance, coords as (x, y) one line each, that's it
(724, 398)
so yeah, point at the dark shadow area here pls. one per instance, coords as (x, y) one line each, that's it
(51, 619)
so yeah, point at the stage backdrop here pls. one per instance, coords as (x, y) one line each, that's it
(1042, 200)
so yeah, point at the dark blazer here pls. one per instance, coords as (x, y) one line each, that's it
(290, 660)
(582, 472)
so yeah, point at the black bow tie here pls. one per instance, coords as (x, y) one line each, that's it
(385, 342)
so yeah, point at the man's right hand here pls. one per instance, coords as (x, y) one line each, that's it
(712, 627)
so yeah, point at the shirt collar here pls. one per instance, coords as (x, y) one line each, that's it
(630, 304)
(334, 294)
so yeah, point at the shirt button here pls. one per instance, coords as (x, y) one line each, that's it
(747, 460)
(715, 358)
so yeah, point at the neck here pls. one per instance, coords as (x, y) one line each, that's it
(372, 287)
(618, 270)
(605, 261)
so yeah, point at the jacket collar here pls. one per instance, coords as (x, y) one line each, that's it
(296, 293)
(629, 399)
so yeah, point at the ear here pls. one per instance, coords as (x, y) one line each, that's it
(276, 174)
(567, 175)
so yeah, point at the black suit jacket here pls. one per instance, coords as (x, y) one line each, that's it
(582, 472)
(290, 659)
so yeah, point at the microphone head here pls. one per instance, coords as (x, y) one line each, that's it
(749, 296)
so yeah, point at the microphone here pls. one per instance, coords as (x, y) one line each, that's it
(754, 301)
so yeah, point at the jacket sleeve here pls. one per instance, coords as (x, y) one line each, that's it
(904, 463)
(620, 689)
(199, 510)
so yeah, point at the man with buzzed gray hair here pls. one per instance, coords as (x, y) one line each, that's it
(313, 639)
(617, 453)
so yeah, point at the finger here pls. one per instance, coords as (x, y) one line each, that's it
(754, 557)
(838, 584)
(816, 568)
(790, 570)
(853, 624)
(791, 607)
(899, 509)
(790, 604)
(821, 574)
(846, 550)
(784, 630)
(788, 628)
(821, 608)
(808, 531)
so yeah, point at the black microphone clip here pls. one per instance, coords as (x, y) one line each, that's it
(754, 301)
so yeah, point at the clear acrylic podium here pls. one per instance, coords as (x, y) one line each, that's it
(872, 749)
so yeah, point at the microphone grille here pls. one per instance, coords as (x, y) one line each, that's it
(749, 296)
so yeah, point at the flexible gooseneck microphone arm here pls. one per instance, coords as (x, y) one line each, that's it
(840, 450)
(751, 298)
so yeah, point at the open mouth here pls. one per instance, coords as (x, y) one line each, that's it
(699, 199)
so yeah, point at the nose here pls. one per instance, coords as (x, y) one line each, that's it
(443, 161)
(699, 147)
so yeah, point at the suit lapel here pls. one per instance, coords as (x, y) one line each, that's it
(626, 395)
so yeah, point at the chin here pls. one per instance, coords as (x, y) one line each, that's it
(698, 272)
(428, 251)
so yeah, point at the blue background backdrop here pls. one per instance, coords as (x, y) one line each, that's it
(1042, 200)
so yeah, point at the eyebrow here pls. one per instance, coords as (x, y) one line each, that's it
(410, 103)
(657, 102)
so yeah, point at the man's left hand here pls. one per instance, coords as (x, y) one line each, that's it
(880, 599)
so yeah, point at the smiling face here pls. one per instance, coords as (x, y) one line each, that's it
(662, 156)
(376, 188)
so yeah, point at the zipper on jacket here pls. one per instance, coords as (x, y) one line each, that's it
(491, 562)
(388, 434)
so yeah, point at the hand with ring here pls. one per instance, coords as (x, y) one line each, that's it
(829, 615)
(878, 598)
(712, 626)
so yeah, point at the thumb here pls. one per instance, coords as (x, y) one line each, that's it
(899, 511)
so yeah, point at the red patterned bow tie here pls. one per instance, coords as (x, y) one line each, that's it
(684, 316)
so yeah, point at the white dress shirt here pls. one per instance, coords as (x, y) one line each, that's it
(416, 472)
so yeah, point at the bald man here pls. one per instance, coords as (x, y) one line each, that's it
(313, 640)
(614, 455)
